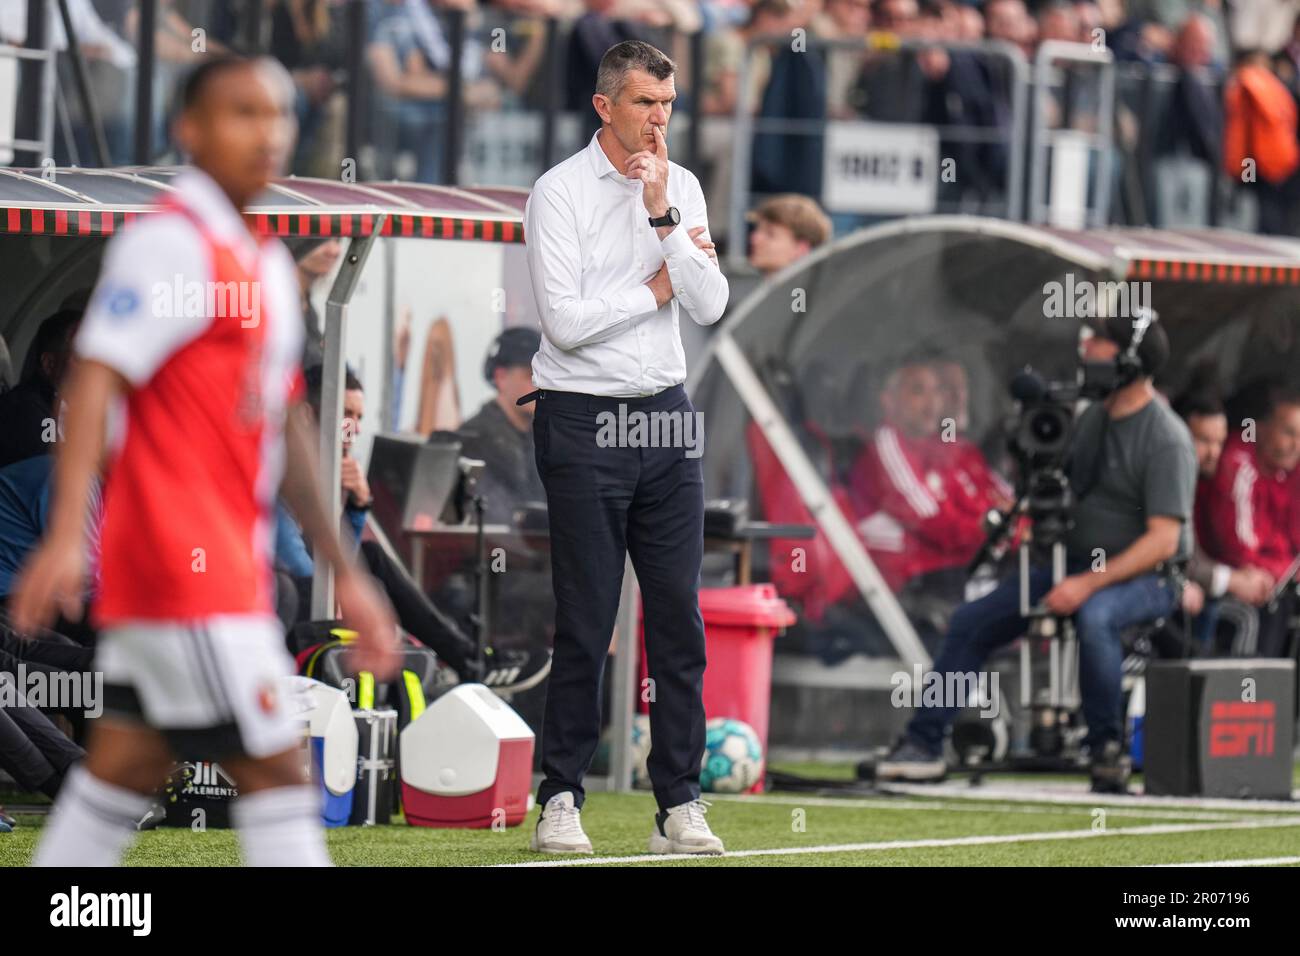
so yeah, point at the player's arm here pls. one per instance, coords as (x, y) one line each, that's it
(52, 578)
(364, 609)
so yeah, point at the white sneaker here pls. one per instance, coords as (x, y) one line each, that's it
(683, 829)
(558, 828)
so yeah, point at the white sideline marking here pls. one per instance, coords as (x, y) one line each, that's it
(963, 807)
(1086, 798)
(1157, 829)
(1258, 861)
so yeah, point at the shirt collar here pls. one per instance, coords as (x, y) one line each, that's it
(202, 196)
(600, 164)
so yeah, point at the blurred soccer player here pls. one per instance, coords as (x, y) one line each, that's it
(190, 649)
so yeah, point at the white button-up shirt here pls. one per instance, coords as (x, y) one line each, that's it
(591, 249)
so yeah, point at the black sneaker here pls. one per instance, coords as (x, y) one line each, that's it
(511, 672)
(1110, 769)
(911, 762)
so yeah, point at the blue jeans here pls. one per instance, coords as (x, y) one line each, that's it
(980, 627)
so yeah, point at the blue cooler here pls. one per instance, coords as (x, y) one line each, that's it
(332, 746)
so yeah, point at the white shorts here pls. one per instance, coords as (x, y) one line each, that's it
(213, 687)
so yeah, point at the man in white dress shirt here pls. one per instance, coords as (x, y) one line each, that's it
(619, 251)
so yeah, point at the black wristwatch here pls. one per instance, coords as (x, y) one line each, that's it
(671, 218)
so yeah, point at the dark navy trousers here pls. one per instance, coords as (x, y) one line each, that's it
(609, 497)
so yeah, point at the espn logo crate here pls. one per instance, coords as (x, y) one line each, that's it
(1220, 728)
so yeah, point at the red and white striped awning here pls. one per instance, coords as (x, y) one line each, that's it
(98, 202)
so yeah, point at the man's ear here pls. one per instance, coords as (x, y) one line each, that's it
(602, 104)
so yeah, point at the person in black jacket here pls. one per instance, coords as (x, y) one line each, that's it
(30, 409)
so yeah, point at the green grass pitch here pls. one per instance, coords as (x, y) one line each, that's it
(793, 829)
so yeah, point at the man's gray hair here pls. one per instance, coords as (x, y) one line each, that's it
(622, 58)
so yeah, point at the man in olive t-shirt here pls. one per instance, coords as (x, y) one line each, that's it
(1131, 520)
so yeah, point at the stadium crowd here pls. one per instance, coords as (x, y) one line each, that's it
(1204, 87)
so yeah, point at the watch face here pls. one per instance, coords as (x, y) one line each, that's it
(674, 215)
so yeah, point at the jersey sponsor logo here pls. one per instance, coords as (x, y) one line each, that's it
(121, 302)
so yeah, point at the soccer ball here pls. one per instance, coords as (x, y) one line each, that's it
(733, 757)
(640, 751)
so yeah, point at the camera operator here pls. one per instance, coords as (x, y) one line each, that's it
(1133, 472)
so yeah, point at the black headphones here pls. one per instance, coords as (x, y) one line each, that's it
(1128, 364)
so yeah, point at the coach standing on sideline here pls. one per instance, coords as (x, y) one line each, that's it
(618, 248)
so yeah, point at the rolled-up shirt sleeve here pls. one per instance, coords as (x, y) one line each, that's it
(555, 263)
(698, 282)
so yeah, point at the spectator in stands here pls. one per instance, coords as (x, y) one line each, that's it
(29, 411)
(315, 259)
(501, 433)
(505, 671)
(409, 57)
(519, 47)
(1260, 150)
(782, 161)
(1210, 580)
(1132, 39)
(1168, 15)
(970, 23)
(591, 35)
(303, 38)
(1253, 517)
(924, 502)
(843, 20)
(1008, 20)
(1059, 21)
(725, 49)
(786, 228)
(1192, 125)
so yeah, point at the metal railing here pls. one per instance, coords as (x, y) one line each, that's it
(1051, 143)
(1014, 77)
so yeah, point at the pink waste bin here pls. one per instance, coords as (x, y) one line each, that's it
(740, 625)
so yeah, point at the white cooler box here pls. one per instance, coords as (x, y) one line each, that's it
(467, 761)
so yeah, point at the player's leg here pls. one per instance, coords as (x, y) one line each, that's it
(95, 816)
(277, 813)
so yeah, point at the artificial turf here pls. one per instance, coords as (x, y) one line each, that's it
(619, 825)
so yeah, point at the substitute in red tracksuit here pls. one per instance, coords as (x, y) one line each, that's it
(1253, 508)
(923, 499)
